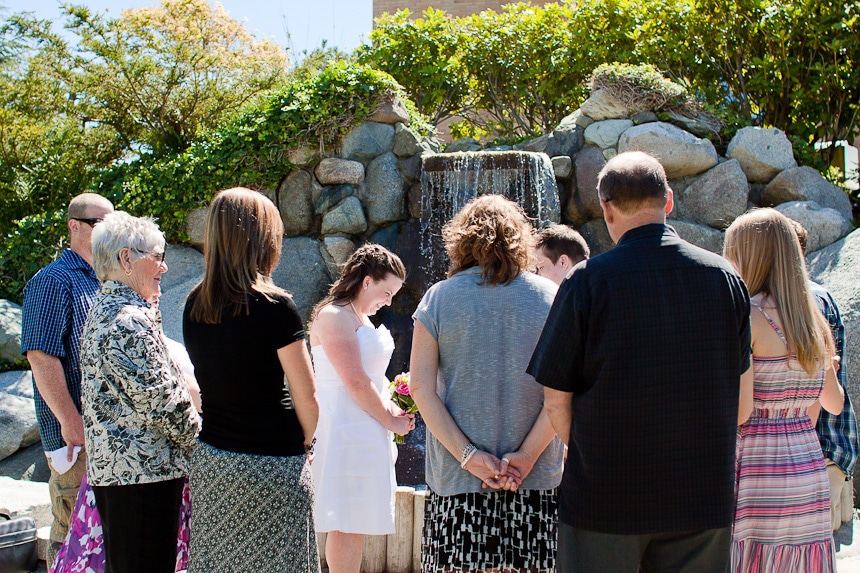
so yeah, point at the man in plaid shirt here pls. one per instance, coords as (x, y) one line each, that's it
(56, 303)
(837, 434)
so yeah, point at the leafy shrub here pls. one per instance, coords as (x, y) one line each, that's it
(251, 150)
(34, 242)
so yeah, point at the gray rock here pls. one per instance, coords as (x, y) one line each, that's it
(644, 117)
(806, 184)
(384, 192)
(10, 331)
(600, 105)
(465, 144)
(701, 125)
(597, 236)
(367, 140)
(296, 203)
(185, 270)
(562, 166)
(17, 383)
(605, 134)
(700, 235)
(567, 138)
(28, 464)
(393, 111)
(410, 168)
(609, 153)
(413, 200)
(336, 251)
(756, 192)
(406, 143)
(347, 218)
(681, 153)
(301, 156)
(26, 498)
(331, 196)
(825, 226)
(837, 268)
(195, 226)
(337, 171)
(717, 197)
(302, 272)
(583, 204)
(272, 195)
(18, 428)
(537, 144)
(761, 152)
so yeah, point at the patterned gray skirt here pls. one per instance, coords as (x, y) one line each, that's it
(251, 513)
(508, 532)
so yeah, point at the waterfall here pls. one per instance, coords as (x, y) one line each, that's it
(450, 180)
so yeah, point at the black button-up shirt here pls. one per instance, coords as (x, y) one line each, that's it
(652, 338)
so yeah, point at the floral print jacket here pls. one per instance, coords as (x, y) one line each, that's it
(139, 422)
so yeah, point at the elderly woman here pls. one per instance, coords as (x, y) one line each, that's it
(493, 460)
(139, 419)
(244, 334)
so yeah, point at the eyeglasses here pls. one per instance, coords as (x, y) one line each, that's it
(91, 222)
(156, 256)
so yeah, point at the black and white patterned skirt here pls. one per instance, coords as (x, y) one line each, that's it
(508, 532)
(251, 513)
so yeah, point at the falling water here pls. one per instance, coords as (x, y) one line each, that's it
(450, 180)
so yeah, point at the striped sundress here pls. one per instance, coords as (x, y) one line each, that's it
(782, 517)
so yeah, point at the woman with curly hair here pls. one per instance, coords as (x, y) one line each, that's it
(493, 461)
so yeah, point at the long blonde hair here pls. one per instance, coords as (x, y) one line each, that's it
(764, 248)
(243, 246)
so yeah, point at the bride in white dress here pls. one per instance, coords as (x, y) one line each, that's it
(353, 466)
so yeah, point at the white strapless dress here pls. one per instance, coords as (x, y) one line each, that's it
(354, 464)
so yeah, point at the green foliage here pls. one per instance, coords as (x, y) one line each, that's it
(252, 149)
(33, 243)
(642, 85)
(423, 55)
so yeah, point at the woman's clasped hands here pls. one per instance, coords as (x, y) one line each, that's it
(506, 473)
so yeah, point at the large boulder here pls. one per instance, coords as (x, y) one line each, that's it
(393, 111)
(681, 153)
(407, 142)
(384, 191)
(583, 204)
(303, 273)
(567, 137)
(336, 251)
(18, 427)
(195, 227)
(600, 105)
(337, 171)
(464, 145)
(837, 267)
(330, 196)
(702, 124)
(702, 236)
(347, 217)
(597, 236)
(806, 184)
(717, 197)
(562, 166)
(825, 226)
(296, 202)
(761, 152)
(537, 145)
(26, 498)
(367, 140)
(17, 383)
(605, 134)
(10, 331)
(185, 269)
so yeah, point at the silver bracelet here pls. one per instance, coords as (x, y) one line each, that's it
(468, 452)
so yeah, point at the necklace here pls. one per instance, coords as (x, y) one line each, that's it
(358, 316)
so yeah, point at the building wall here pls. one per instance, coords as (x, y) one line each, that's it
(452, 7)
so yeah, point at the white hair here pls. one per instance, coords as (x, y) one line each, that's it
(119, 231)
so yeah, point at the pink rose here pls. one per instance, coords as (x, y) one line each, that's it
(402, 389)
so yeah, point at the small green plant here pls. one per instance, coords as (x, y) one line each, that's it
(34, 242)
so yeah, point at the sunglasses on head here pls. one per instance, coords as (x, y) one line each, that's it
(92, 222)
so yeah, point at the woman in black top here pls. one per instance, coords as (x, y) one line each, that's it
(250, 481)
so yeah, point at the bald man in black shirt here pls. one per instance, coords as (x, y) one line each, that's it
(641, 359)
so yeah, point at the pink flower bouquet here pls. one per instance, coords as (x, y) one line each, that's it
(402, 398)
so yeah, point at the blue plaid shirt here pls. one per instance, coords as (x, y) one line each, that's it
(837, 434)
(56, 303)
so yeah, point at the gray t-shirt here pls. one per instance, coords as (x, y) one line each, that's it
(486, 336)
